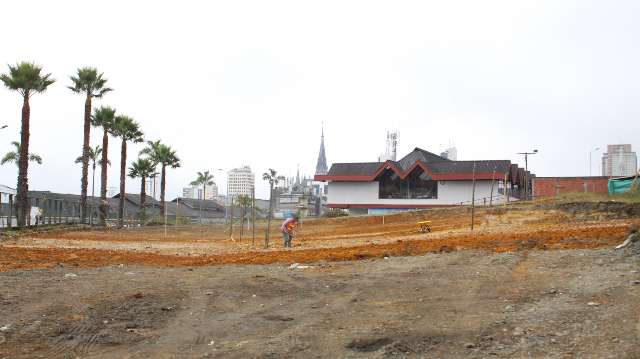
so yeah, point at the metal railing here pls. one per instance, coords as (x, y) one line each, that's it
(45, 209)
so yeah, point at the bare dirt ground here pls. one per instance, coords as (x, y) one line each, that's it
(530, 281)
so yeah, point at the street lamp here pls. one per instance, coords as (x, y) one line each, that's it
(590, 160)
(227, 196)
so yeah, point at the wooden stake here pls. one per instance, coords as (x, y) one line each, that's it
(10, 220)
(634, 180)
(231, 219)
(492, 181)
(473, 196)
(504, 195)
(253, 204)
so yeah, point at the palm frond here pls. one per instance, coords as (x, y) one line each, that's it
(25, 78)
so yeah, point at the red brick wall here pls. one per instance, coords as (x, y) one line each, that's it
(544, 187)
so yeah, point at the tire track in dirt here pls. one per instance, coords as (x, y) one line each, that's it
(79, 335)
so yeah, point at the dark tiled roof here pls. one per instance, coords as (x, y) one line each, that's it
(197, 203)
(421, 155)
(136, 198)
(132, 204)
(467, 166)
(367, 168)
(437, 165)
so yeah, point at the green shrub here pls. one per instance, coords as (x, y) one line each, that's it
(143, 216)
(334, 213)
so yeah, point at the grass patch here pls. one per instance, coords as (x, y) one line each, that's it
(631, 197)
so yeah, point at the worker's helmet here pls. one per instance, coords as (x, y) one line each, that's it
(296, 218)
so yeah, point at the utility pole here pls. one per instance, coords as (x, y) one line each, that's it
(473, 197)
(590, 160)
(526, 168)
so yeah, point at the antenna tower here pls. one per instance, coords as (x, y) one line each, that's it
(392, 143)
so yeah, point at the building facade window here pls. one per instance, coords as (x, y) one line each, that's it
(417, 185)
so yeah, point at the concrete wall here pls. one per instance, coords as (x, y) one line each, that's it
(361, 194)
(545, 187)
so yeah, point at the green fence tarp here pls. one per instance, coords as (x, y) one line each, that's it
(619, 186)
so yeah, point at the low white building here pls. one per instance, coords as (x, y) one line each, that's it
(5, 191)
(421, 179)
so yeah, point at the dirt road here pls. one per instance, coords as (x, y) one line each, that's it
(529, 282)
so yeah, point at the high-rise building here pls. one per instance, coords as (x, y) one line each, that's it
(194, 192)
(241, 181)
(619, 161)
(450, 154)
(210, 192)
(321, 167)
(148, 187)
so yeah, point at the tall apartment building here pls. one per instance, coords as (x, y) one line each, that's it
(148, 187)
(194, 192)
(241, 181)
(619, 161)
(210, 192)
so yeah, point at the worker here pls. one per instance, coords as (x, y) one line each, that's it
(287, 227)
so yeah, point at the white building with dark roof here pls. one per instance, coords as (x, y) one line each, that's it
(421, 179)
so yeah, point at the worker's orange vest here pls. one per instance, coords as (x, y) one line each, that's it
(293, 223)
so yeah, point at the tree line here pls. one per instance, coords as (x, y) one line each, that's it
(27, 79)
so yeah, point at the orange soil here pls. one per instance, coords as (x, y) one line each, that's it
(329, 240)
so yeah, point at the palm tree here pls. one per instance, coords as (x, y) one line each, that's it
(144, 169)
(104, 117)
(244, 202)
(93, 157)
(88, 81)
(14, 156)
(204, 179)
(155, 169)
(129, 130)
(25, 79)
(163, 155)
(273, 179)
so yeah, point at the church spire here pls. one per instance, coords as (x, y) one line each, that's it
(321, 167)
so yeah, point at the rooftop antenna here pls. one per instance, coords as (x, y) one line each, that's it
(392, 144)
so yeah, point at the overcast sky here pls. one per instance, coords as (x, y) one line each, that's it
(238, 83)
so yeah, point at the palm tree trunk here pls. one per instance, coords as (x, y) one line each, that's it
(266, 239)
(23, 164)
(162, 185)
(123, 169)
(104, 209)
(85, 159)
(143, 194)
